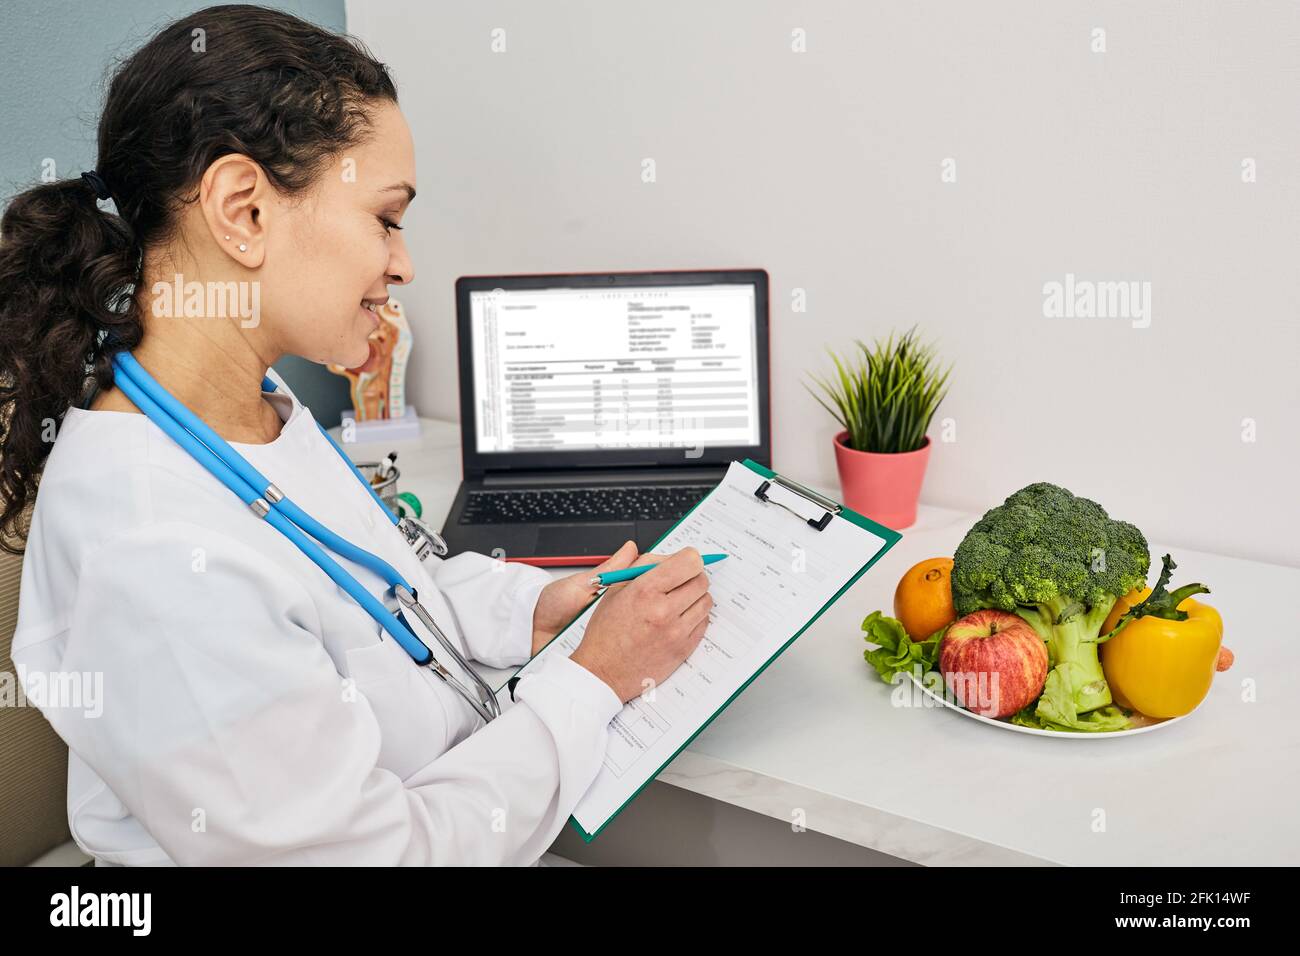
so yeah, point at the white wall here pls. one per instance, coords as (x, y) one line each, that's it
(824, 168)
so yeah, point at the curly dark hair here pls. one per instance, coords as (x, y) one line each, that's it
(227, 79)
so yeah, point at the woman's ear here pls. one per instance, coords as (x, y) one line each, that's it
(233, 196)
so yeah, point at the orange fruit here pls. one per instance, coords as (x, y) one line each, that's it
(923, 598)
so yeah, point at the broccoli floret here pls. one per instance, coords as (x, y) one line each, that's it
(1060, 562)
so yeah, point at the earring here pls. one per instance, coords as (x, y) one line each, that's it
(243, 248)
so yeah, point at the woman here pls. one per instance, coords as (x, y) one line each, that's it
(251, 711)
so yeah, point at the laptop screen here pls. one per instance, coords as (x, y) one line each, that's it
(578, 368)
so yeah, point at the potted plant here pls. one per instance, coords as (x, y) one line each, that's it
(885, 403)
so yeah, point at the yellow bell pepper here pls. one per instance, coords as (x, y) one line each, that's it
(1159, 667)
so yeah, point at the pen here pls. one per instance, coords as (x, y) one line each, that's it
(627, 574)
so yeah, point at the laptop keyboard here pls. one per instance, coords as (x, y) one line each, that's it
(591, 503)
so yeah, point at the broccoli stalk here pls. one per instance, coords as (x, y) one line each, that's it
(1072, 646)
(1060, 562)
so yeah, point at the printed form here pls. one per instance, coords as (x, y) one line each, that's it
(779, 573)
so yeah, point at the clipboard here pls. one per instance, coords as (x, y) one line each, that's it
(818, 511)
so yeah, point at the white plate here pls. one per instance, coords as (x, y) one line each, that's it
(1143, 722)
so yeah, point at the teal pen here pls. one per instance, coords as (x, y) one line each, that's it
(627, 574)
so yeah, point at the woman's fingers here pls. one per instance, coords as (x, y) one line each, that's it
(673, 570)
(697, 632)
(698, 612)
(622, 558)
(686, 593)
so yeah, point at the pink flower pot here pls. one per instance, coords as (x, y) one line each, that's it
(883, 487)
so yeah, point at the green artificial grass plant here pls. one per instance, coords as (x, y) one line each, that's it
(886, 400)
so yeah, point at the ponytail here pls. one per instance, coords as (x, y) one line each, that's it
(67, 274)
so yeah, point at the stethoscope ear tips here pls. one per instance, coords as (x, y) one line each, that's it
(422, 538)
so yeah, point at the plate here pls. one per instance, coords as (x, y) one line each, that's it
(1144, 724)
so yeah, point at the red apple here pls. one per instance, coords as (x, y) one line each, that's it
(993, 662)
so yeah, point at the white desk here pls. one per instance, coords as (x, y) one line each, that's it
(817, 733)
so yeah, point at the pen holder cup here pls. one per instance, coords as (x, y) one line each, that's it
(386, 488)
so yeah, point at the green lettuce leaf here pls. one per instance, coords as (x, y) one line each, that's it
(897, 653)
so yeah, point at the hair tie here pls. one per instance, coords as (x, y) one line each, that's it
(97, 184)
(110, 341)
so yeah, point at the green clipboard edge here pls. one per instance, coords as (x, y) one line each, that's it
(890, 537)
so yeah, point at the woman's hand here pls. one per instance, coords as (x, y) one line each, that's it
(643, 629)
(565, 598)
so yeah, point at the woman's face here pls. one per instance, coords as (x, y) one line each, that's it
(339, 249)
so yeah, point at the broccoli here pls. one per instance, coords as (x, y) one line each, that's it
(1060, 562)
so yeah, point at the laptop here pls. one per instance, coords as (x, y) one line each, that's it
(599, 407)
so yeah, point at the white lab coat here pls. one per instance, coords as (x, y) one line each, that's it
(251, 712)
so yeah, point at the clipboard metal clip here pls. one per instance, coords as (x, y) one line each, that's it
(830, 507)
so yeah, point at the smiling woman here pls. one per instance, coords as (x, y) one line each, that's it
(255, 710)
(216, 144)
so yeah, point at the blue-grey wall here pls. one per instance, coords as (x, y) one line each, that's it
(55, 60)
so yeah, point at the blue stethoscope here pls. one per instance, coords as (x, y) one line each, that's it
(271, 505)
